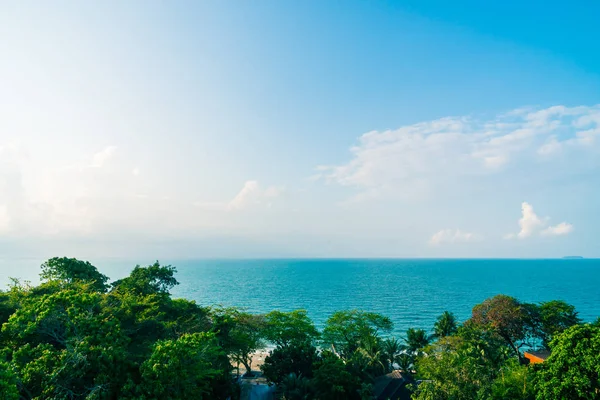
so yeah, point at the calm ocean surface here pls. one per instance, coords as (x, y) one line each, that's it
(411, 292)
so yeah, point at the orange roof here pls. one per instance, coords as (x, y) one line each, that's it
(536, 357)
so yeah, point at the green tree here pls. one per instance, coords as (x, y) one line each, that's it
(153, 279)
(416, 340)
(455, 368)
(445, 325)
(406, 362)
(143, 319)
(8, 382)
(7, 307)
(514, 382)
(333, 382)
(391, 348)
(297, 358)
(284, 328)
(184, 316)
(66, 345)
(240, 334)
(71, 270)
(185, 368)
(554, 317)
(573, 369)
(367, 363)
(507, 317)
(488, 343)
(346, 330)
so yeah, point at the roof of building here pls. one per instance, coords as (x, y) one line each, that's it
(392, 386)
(543, 354)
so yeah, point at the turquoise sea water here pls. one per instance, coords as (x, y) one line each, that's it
(411, 292)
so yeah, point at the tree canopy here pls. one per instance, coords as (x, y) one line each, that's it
(71, 270)
(153, 279)
(285, 328)
(573, 369)
(505, 316)
(189, 367)
(346, 330)
(554, 317)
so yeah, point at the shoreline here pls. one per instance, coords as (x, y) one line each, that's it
(258, 359)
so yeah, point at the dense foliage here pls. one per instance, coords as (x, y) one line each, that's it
(573, 369)
(77, 336)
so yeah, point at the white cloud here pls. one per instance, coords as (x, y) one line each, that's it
(251, 194)
(563, 228)
(531, 224)
(552, 146)
(102, 157)
(529, 221)
(71, 198)
(416, 158)
(453, 236)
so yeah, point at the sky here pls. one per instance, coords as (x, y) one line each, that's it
(309, 128)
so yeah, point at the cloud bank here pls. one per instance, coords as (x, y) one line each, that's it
(110, 191)
(414, 159)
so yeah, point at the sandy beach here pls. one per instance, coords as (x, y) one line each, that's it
(258, 359)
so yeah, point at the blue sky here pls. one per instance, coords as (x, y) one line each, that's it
(299, 129)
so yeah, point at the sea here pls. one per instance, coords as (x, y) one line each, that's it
(411, 292)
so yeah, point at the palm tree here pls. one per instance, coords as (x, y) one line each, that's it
(368, 359)
(445, 325)
(416, 340)
(391, 348)
(405, 362)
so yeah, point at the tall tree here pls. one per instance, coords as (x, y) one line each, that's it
(507, 317)
(153, 279)
(416, 340)
(391, 348)
(71, 270)
(555, 317)
(285, 328)
(241, 334)
(345, 330)
(368, 361)
(445, 325)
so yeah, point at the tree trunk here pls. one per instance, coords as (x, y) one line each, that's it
(516, 349)
(248, 365)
